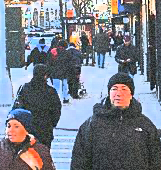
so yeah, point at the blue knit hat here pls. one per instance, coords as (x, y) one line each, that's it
(23, 116)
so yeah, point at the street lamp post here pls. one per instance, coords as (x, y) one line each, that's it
(61, 18)
(5, 83)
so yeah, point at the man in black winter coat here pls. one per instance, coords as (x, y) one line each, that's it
(118, 136)
(101, 46)
(38, 54)
(43, 102)
(126, 56)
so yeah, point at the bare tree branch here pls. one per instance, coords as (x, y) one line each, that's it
(78, 5)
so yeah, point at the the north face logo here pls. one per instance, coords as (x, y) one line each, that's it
(139, 129)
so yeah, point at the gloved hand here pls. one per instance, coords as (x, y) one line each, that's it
(122, 61)
(128, 60)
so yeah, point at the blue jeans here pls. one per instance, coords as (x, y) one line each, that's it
(101, 59)
(64, 90)
(56, 84)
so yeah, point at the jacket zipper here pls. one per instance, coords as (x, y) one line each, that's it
(120, 123)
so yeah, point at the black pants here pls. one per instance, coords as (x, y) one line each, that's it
(73, 82)
(128, 68)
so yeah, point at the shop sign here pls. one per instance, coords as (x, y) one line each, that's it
(70, 13)
(81, 21)
(125, 20)
(114, 6)
(130, 1)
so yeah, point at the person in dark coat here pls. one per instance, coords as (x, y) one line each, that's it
(85, 46)
(101, 46)
(76, 61)
(20, 150)
(118, 136)
(119, 40)
(85, 42)
(38, 54)
(159, 133)
(126, 56)
(55, 41)
(44, 103)
(61, 68)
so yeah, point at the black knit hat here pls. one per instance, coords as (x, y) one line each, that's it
(121, 78)
(23, 116)
(63, 43)
(40, 70)
(42, 41)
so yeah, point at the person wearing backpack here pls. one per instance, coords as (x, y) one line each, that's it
(76, 61)
(43, 102)
(38, 54)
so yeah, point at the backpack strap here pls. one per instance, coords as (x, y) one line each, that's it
(19, 90)
(18, 103)
(88, 130)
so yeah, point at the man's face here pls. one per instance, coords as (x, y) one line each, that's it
(15, 131)
(120, 95)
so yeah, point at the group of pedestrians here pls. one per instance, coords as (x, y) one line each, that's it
(64, 62)
(117, 136)
(126, 53)
(105, 42)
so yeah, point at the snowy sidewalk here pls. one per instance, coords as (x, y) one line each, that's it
(150, 105)
(95, 81)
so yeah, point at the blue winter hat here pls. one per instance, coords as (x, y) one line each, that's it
(23, 116)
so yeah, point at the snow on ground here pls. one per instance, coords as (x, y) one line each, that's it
(95, 81)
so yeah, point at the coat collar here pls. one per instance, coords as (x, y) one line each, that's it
(105, 109)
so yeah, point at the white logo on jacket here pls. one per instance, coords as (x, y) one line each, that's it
(139, 129)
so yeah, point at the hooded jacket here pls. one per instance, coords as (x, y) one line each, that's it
(15, 158)
(61, 68)
(115, 139)
(38, 55)
(45, 106)
(127, 52)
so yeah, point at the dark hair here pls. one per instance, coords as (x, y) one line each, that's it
(42, 41)
(72, 44)
(63, 43)
(101, 30)
(40, 70)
